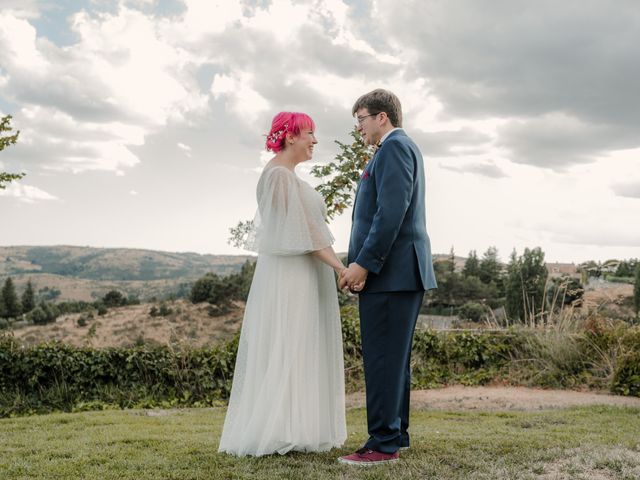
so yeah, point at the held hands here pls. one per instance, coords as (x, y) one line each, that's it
(353, 277)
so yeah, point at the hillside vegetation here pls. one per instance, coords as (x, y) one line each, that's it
(184, 323)
(86, 273)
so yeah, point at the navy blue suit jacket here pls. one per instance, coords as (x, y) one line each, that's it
(389, 233)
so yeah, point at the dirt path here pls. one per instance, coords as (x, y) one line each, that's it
(502, 398)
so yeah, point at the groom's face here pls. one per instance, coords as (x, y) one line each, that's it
(368, 126)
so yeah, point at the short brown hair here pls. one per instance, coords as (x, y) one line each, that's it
(380, 100)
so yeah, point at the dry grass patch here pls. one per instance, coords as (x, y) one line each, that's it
(189, 324)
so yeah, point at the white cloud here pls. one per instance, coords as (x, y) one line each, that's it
(569, 94)
(135, 87)
(84, 105)
(208, 16)
(243, 100)
(27, 9)
(628, 189)
(143, 72)
(26, 193)
(18, 40)
(283, 19)
(486, 169)
(57, 142)
(186, 148)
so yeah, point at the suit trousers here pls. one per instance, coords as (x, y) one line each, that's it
(387, 324)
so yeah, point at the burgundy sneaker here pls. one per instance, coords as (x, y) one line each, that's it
(366, 458)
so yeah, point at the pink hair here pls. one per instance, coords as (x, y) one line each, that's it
(283, 123)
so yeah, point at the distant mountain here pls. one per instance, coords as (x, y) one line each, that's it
(86, 273)
(115, 264)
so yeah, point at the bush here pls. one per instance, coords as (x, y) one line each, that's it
(74, 307)
(114, 298)
(4, 323)
(472, 311)
(163, 311)
(615, 279)
(84, 319)
(459, 357)
(626, 380)
(564, 291)
(55, 376)
(43, 314)
(221, 291)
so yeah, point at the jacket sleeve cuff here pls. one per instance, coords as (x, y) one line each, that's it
(370, 262)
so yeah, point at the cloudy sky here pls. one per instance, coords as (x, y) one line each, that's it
(142, 121)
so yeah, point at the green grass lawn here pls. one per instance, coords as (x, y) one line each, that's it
(577, 443)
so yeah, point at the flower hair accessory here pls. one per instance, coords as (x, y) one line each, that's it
(275, 137)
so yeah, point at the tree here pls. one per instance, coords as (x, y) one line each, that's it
(525, 285)
(454, 290)
(340, 179)
(626, 268)
(28, 299)
(10, 304)
(114, 298)
(472, 265)
(636, 290)
(5, 141)
(201, 290)
(489, 267)
(246, 277)
(452, 260)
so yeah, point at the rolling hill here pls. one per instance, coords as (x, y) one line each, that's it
(87, 273)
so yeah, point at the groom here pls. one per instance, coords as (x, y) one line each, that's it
(390, 266)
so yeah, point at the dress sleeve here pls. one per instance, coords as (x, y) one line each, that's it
(288, 220)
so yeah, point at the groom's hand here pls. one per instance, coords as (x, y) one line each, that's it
(353, 277)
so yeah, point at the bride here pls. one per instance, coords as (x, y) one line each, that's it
(288, 384)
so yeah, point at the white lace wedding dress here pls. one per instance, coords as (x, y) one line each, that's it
(288, 384)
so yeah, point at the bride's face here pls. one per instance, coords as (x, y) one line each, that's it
(304, 143)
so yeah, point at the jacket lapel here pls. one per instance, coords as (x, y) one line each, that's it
(367, 168)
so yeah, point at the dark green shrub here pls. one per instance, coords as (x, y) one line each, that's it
(114, 298)
(56, 376)
(626, 379)
(163, 311)
(472, 311)
(43, 314)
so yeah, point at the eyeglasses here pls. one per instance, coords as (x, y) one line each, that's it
(358, 120)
